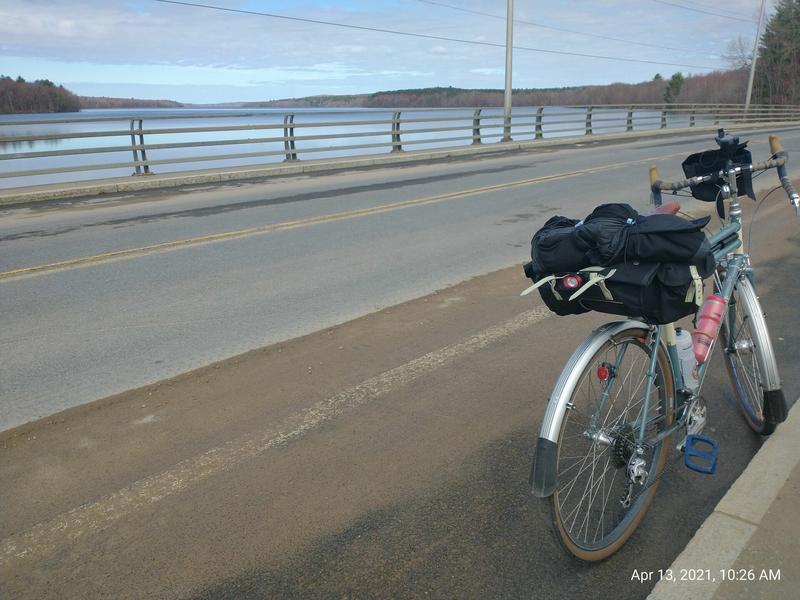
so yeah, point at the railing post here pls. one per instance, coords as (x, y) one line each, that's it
(136, 166)
(539, 134)
(629, 125)
(476, 127)
(716, 115)
(143, 150)
(589, 120)
(397, 144)
(691, 118)
(288, 138)
(143, 168)
(664, 118)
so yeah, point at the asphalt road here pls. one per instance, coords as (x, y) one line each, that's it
(325, 249)
(385, 457)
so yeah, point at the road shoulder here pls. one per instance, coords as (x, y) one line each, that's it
(748, 547)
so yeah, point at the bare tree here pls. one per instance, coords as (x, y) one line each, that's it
(739, 53)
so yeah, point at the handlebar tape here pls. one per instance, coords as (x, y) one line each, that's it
(667, 186)
(775, 145)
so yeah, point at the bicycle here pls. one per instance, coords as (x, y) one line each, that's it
(605, 437)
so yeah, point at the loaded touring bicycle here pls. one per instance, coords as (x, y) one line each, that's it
(633, 387)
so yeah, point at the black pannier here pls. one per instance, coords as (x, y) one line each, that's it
(657, 293)
(649, 267)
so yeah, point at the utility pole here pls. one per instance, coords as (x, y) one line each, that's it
(755, 56)
(509, 47)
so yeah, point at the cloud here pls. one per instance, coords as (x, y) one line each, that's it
(349, 49)
(488, 71)
(98, 42)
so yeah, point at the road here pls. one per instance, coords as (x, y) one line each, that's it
(325, 249)
(385, 456)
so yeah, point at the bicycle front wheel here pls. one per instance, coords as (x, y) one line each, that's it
(748, 354)
(595, 506)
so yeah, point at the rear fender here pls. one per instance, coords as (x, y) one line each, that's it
(543, 479)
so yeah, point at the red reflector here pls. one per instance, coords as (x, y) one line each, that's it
(573, 282)
(603, 373)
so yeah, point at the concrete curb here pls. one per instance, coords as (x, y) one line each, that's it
(85, 189)
(727, 531)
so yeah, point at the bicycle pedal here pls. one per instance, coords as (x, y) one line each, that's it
(700, 454)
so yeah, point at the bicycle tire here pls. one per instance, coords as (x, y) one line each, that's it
(623, 522)
(743, 355)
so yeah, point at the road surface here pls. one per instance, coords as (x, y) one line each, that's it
(207, 274)
(383, 457)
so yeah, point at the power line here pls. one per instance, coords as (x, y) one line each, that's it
(712, 6)
(561, 29)
(705, 12)
(430, 37)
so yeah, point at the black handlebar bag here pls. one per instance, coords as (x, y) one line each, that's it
(709, 162)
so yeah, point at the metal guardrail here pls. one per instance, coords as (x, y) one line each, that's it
(437, 127)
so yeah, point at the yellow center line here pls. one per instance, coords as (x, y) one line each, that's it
(307, 222)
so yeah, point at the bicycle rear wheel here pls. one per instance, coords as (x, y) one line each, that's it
(748, 354)
(595, 509)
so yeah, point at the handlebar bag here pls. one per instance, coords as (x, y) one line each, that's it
(656, 293)
(713, 161)
(615, 233)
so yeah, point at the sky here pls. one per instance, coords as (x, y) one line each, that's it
(150, 49)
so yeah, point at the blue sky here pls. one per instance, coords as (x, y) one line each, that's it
(147, 49)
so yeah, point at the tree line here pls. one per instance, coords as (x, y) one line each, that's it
(106, 102)
(719, 87)
(42, 95)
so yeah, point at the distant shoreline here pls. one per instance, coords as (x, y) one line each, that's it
(107, 102)
(718, 87)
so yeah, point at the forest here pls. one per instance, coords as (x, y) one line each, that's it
(105, 102)
(716, 88)
(778, 64)
(43, 96)
(20, 96)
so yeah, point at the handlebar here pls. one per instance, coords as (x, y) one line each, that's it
(778, 161)
(780, 153)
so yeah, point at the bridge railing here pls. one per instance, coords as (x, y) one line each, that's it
(142, 144)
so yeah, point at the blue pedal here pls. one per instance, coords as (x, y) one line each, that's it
(700, 454)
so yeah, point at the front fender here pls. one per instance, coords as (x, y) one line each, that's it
(544, 478)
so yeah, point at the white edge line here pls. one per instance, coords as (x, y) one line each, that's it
(68, 527)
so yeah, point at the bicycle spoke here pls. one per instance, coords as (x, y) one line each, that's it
(589, 474)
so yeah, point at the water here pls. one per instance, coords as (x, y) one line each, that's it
(338, 134)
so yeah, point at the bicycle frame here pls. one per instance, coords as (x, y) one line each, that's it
(727, 248)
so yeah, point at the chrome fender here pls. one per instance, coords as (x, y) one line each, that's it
(767, 365)
(543, 479)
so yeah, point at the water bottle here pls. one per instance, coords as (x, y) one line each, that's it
(708, 322)
(683, 339)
